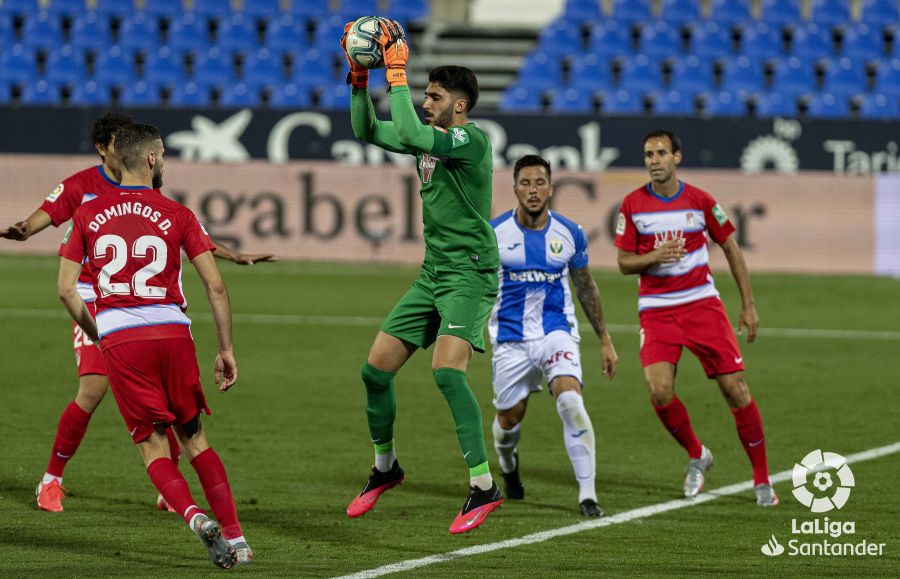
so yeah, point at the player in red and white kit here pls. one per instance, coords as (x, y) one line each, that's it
(662, 233)
(57, 208)
(132, 242)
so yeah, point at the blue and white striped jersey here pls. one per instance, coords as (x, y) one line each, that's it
(534, 297)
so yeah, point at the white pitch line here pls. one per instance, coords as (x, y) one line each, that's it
(616, 519)
(356, 321)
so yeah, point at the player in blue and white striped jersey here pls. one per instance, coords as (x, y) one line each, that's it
(533, 328)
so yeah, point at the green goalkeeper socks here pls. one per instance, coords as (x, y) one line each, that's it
(466, 415)
(381, 406)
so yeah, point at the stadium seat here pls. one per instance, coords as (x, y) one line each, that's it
(825, 105)
(353, 9)
(590, 73)
(760, 40)
(139, 31)
(215, 9)
(674, 103)
(844, 76)
(18, 64)
(7, 32)
(328, 31)
(163, 8)
(632, 11)
(572, 100)
(287, 32)
(811, 41)
(781, 12)
(711, 40)
(540, 70)
(660, 40)
(580, 11)
(406, 11)
(42, 30)
(310, 11)
(775, 105)
(680, 11)
(640, 74)
(879, 106)
(239, 95)
(41, 92)
(20, 6)
(336, 97)
(65, 64)
(622, 102)
(311, 69)
(560, 38)
(91, 31)
(117, 8)
(728, 12)
(189, 94)
(90, 93)
(237, 33)
(139, 94)
(830, 12)
(115, 65)
(262, 9)
(610, 39)
(5, 92)
(188, 32)
(887, 77)
(692, 74)
(165, 66)
(863, 42)
(723, 104)
(742, 74)
(214, 68)
(263, 68)
(69, 7)
(880, 12)
(520, 99)
(794, 76)
(289, 95)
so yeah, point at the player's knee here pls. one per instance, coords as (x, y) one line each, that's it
(375, 379)
(661, 393)
(508, 419)
(562, 384)
(735, 390)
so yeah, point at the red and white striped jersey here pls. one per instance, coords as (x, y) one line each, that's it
(132, 241)
(646, 220)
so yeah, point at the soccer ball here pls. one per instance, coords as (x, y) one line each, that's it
(362, 42)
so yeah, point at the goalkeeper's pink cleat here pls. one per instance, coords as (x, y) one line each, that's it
(378, 483)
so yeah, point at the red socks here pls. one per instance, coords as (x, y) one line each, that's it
(72, 425)
(172, 486)
(750, 431)
(212, 476)
(675, 418)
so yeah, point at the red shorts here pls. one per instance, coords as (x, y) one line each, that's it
(155, 382)
(702, 327)
(87, 356)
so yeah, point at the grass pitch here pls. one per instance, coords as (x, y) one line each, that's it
(293, 437)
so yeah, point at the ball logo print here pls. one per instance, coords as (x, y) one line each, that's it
(822, 481)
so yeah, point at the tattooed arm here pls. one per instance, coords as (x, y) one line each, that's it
(589, 297)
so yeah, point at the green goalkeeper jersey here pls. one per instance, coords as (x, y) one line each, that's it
(455, 169)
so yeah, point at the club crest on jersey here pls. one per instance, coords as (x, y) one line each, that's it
(556, 246)
(54, 195)
(690, 220)
(719, 214)
(460, 137)
(664, 236)
(427, 167)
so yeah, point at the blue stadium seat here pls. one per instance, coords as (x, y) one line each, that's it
(310, 11)
(289, 95)
(674, 103)
(760, 40)
(811, 41)
(165, 66)
(825, 105)
(794, 76)
(781, 12)
(775, 105)
(336, 97)
(90, 93)
(887, 77)
(406, 11)
(287, 32)
(5, 92)
(742, 74)
(118, 8)
(660, 40)
(353, 9)
(560, 38)
(189, 94)
(844, 76)
(42, 30)
(65, 64)
(622, 102)
(262, 9)
(640, 74)
(163, 8)
(328, 32)
(18, 64)
(311, 69)
(692, 74)
(7, 32)
(730, 11)
(572, 100)
(880, 12)
(610, 39)
(263, 68)
(20, 6)
(217, 9)
(139, 31)
(879, 106)
(114, 65)
(520, 99)
(139, 93)
(863, 42)
(680, 11)
(711, 40)
(632, 11)
(69, 7)
(540, 70)
(831, 12)
(239, 95)
(91, 31)
(41, 92)
(214, 68)
(723, 104)
(237, 33)
(189, 32)
(590, 73)
(579, 11)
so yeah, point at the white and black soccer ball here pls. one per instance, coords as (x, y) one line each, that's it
(362, 42)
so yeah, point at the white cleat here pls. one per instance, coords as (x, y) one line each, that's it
(695, 476)
(220, 552)
(765, 495)
(244, 553)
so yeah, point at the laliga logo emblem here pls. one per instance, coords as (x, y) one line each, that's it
(835, 486)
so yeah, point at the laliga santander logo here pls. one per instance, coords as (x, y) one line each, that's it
(831, 478)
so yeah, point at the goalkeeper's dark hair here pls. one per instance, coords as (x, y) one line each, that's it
(106, 126)
(457, 79)
(531, 161)
(673, 138)
(133, 142)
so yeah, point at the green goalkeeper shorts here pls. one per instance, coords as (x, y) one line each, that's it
(444, 301)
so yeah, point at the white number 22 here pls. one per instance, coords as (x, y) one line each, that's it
(120, 258)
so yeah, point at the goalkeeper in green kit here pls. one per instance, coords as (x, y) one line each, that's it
(456, 289)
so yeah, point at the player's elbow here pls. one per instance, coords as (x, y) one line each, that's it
(406, 136)
(623, 266)
(65, 292)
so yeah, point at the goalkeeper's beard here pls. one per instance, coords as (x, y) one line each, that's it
(443, 120)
